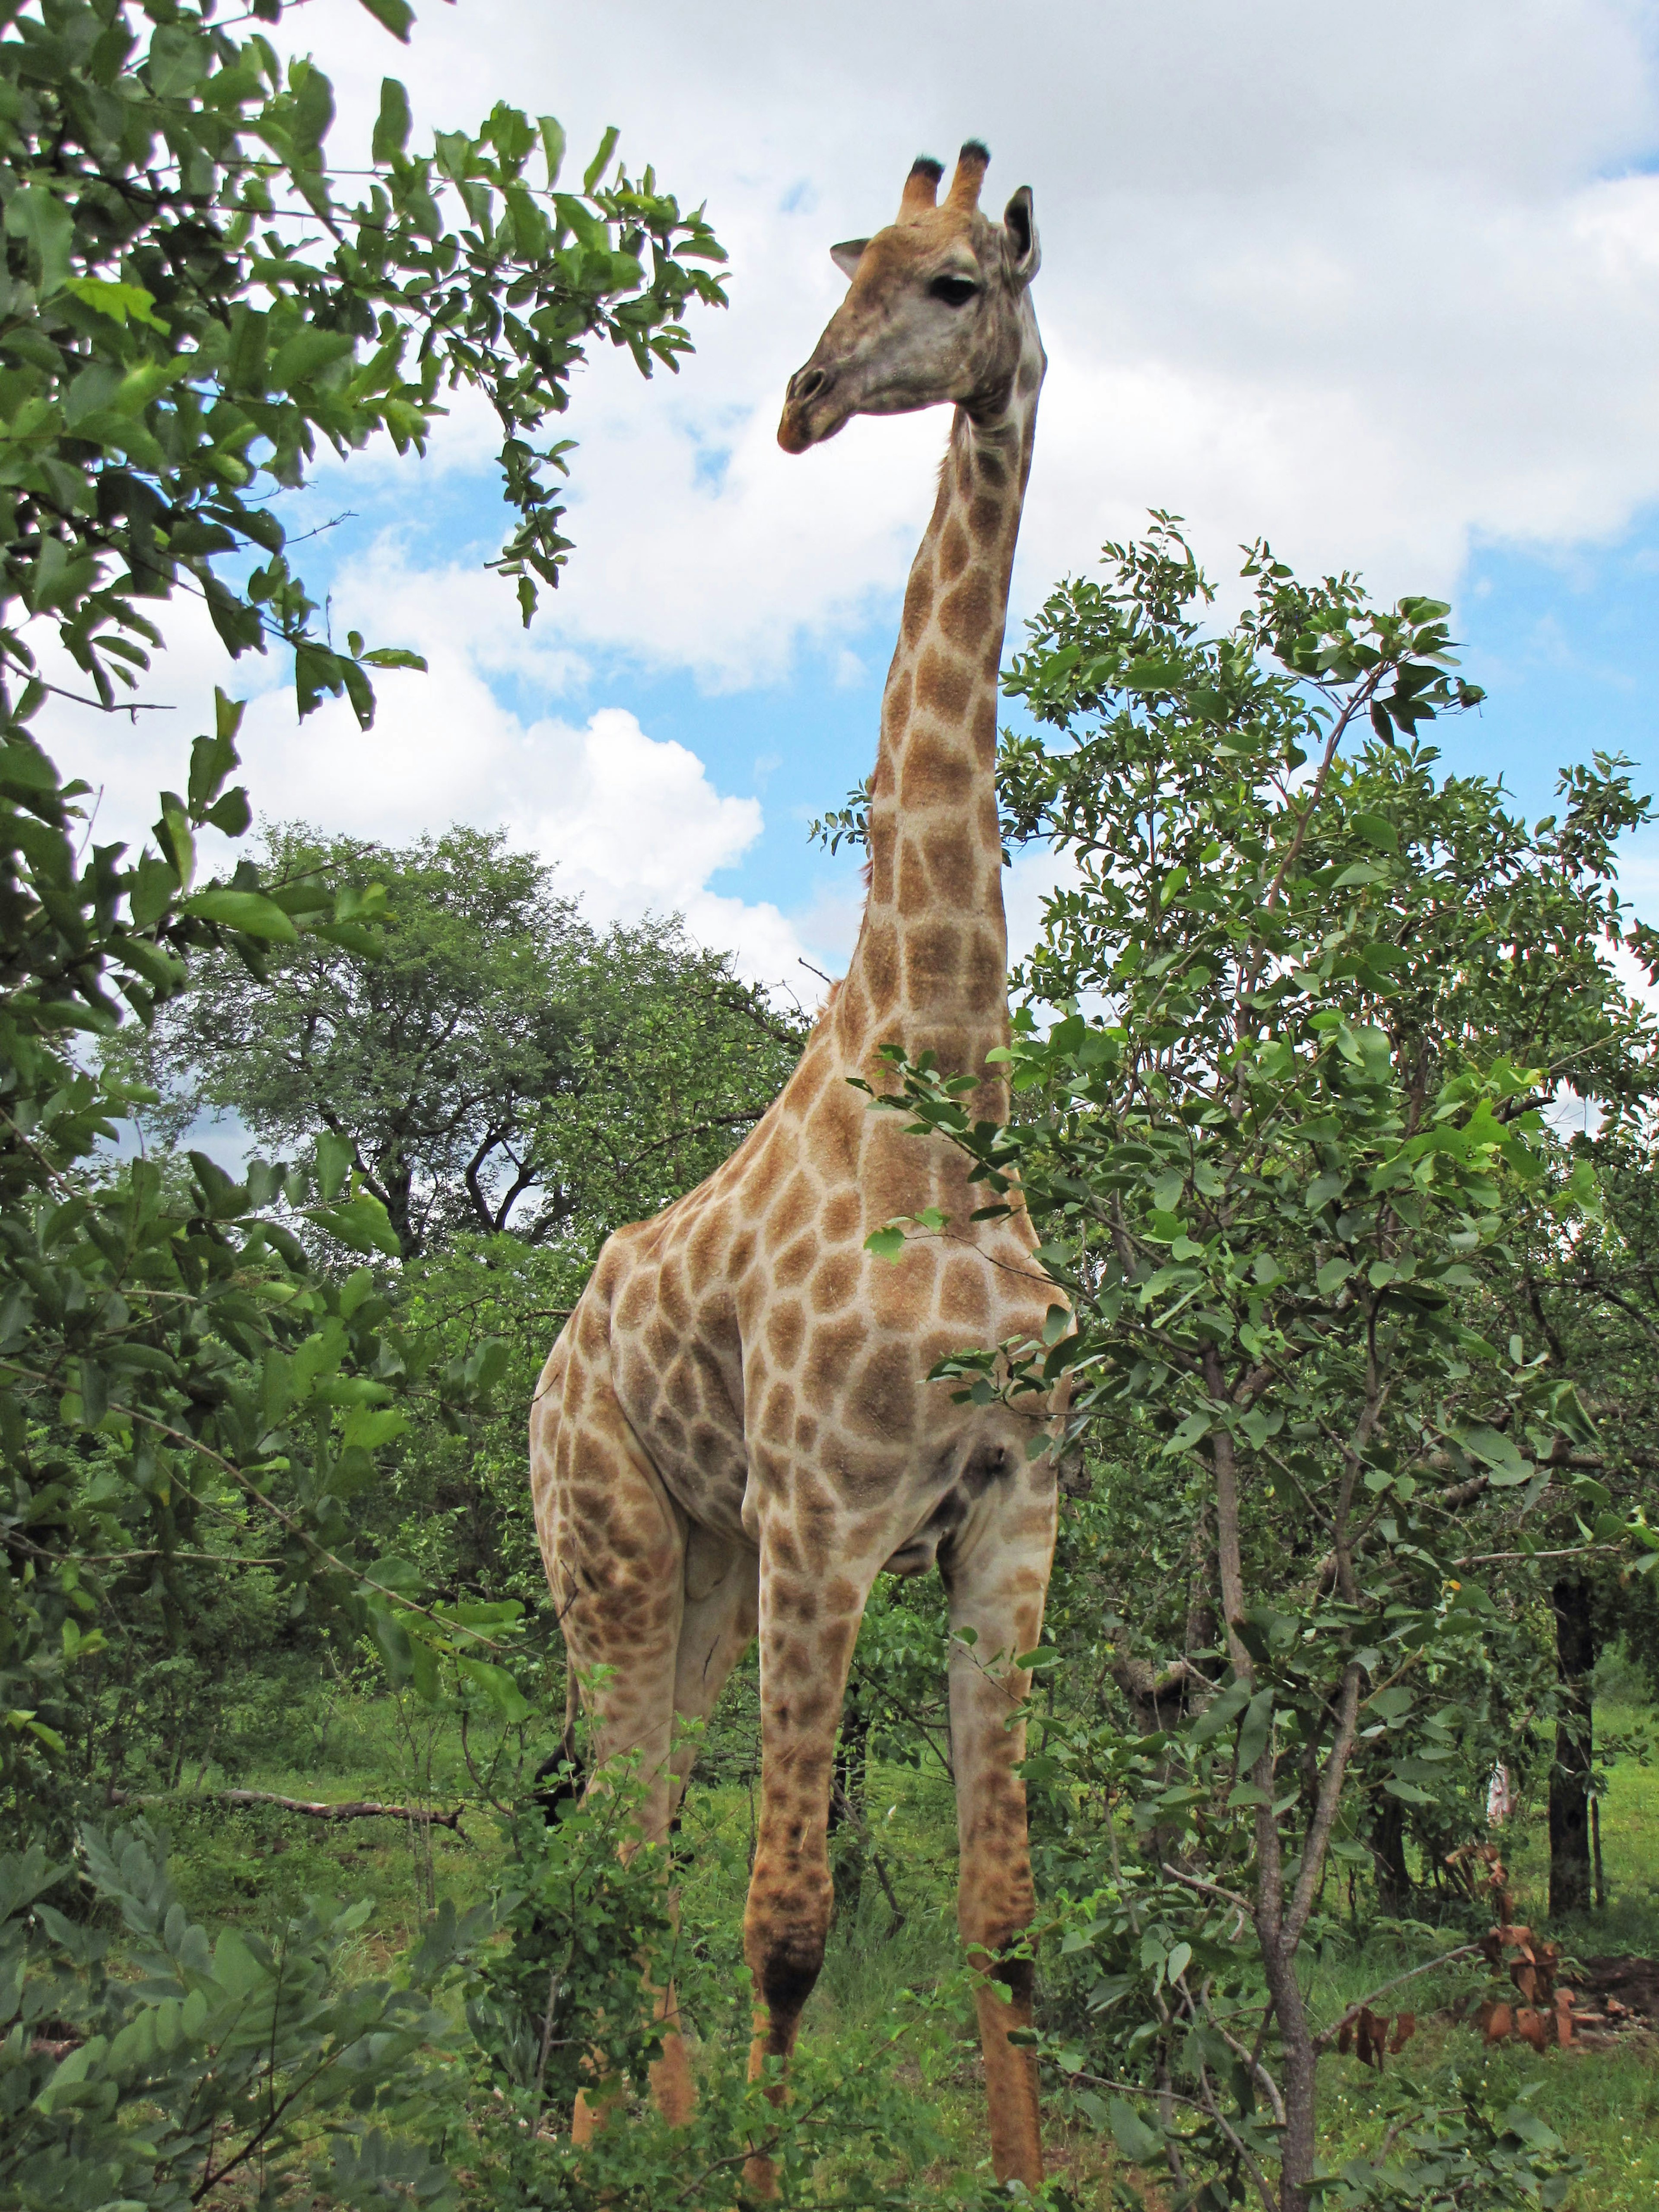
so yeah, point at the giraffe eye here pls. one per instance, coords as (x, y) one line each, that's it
(955, 291)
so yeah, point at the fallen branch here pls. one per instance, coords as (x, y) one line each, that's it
(1322, 2042)
(354, 1808)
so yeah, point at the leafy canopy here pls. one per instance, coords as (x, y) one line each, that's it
(492, 1063)
(1309, 999)
(188, 312)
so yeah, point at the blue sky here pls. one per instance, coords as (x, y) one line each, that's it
(1383, 285)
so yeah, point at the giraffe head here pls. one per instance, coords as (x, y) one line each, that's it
(936, 309)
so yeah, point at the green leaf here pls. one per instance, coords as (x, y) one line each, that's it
(1497, 1453)
(231, 813)
(250, 912)
(601, 160)
(392, 126)
(368, 1427)
(886, 1242)
(37, 215)
(211, 760)
(1255, 1730)
(153, 887)
(1138, 2143)
(1193, 1430)
(397, 17)
(1222, 1710)
(334, 1159)
(117, 301)
(498, 1685)
(306, 352)
(553, 144)
(363, 1226)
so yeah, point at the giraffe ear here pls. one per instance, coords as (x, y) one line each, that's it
(1020, 235)
(848, 255)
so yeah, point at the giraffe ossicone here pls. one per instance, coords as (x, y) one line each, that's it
(734, 1433)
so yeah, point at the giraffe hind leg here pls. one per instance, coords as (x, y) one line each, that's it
(613, 1543)
(717, 1623)
(654, 1611)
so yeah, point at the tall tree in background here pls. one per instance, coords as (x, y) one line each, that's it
(490, 1062)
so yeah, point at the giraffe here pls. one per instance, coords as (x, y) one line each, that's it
(734, 1432)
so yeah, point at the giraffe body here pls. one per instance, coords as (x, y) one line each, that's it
(734, 1432)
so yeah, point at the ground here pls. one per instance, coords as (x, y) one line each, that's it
(247, 1864)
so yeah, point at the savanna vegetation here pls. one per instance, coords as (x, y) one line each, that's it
(1334, 1101)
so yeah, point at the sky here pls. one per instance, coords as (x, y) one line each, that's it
(1379, 283)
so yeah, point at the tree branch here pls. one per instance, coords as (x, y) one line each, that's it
(1328, 2036)
(354, 1808)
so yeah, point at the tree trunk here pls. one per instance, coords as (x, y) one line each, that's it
(1569, 1773)
(1394, 1879)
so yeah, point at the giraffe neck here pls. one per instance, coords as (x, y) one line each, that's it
(930, 969)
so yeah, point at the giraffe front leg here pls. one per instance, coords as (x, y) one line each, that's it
(808, 1625)
(997, 1578)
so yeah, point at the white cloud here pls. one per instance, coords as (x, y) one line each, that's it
(633, 823)
(1373, 283)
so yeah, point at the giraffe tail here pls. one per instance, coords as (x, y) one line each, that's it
(560, 1776)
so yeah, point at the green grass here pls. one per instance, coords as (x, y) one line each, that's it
(252, 1865)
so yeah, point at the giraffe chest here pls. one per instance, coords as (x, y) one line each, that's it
(760, 1353)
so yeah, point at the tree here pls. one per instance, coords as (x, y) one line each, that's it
(1273, 1174)
(185, 308)
(488, 1062)
(1594, 1300)
(427, 1054)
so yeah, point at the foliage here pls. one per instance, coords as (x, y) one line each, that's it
(1273, 1174)
(176, 1374)
(238, 2057)
(196, 2068)
(494, 1064)
(189, 308)
(1445, 2157)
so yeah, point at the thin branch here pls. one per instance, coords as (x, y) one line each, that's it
(1241, 2149)
(1328, 2036)
(1251, 2058)
(1209, 1888)
(130, 707)
(1324, 1818)
(1574, 1552)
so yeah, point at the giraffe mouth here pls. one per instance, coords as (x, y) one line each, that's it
(813, 409)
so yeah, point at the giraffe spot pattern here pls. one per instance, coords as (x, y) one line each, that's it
(740, 1366)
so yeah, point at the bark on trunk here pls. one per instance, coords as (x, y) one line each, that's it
(1393, 1880)
(1569, 1773)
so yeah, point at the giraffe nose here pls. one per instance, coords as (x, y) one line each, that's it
(806, 383)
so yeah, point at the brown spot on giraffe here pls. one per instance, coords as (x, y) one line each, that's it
(842, 1214)
(881, 970)
(945, 687)
(735, 1432)
(834, 1282)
